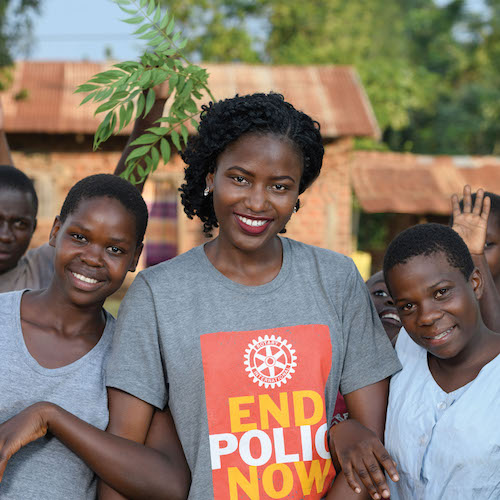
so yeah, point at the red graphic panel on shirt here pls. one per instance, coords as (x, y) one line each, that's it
(266, 412)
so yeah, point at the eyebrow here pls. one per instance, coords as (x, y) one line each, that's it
(428, 288)
(86, 230)
(275, 178)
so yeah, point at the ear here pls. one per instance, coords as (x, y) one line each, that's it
(477, 283)
(53, 232)
(135, 260)
(209, 180)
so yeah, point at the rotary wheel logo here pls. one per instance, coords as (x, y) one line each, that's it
(270, 361)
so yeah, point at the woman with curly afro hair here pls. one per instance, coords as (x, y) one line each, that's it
(248, 337)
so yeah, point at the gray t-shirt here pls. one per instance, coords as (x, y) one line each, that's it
(251, 373)
(34, 270)
(46, 469)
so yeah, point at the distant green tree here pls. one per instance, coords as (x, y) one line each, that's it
(16, 18)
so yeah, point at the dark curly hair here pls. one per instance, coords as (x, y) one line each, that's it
(13, 179)
(111, 186)
(428, 239)
(226, 121)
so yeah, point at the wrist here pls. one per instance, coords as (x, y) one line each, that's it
(48, 413)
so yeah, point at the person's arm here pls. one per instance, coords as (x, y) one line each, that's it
(357, 442)
(5, 157)
(471, 224)
(161, 436)
(140, 126)
(130, 468)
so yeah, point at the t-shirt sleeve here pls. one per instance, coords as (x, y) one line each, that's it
(369, 356)
(135, 365)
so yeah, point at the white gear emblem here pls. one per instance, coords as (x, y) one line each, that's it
(270, 361)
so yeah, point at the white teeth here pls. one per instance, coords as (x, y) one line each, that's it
(442, 335)
(252, 222)
(393, 316)
(83, 278)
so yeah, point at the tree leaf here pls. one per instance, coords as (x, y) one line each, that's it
(155, 156)
(142, 29)
(159, 131)
(140, 105)
(86, 87)
(170, 26)
(151, 7)
(88, 98)
(164, 22)
(165, 150)
(157, 15)
(150, 100)
(104, 107)
(138, 152)
(175, 139)
(134, 20)
(145, 139)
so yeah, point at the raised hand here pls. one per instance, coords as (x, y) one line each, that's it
(471, 222)
(360, 452)
(18, 431)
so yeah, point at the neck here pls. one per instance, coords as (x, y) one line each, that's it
(252, 268)
(54, 308)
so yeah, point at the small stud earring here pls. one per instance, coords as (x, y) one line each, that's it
(206, 191)
(296, 207)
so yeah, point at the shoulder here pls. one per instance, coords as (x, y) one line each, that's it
(321, 258)
(178, 267)
(45, 253)
(10, 303)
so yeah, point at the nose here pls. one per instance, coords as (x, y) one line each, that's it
(6, 234)
(92, 256)
(257, 200)
(388, 301)
(428, 314)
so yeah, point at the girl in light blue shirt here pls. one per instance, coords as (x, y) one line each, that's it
(442, 424)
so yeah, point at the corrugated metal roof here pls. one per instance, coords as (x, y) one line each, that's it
(332, 95)
(418, 184)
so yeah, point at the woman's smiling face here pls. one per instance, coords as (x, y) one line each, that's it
(255, 188)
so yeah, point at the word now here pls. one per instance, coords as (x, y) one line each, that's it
(253, 487)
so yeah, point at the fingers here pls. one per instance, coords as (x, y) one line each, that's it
(478, 204)
(486, 208)
(349, 476)
(387, 462)
(455, 206)
(467, 199)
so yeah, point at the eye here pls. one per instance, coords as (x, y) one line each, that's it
(20, 224)
(115, 250)
(239, 179)
(488, 244)
(441, 293)
(380, 293)
(406, 307)
(79, 237)
(280, 187)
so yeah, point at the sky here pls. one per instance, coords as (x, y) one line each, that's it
(76, 30)
(82, 29)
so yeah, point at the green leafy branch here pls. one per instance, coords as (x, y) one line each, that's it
(126, 91)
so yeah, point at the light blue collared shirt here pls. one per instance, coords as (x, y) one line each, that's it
(446, 445)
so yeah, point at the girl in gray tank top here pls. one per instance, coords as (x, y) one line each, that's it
(54, 342)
